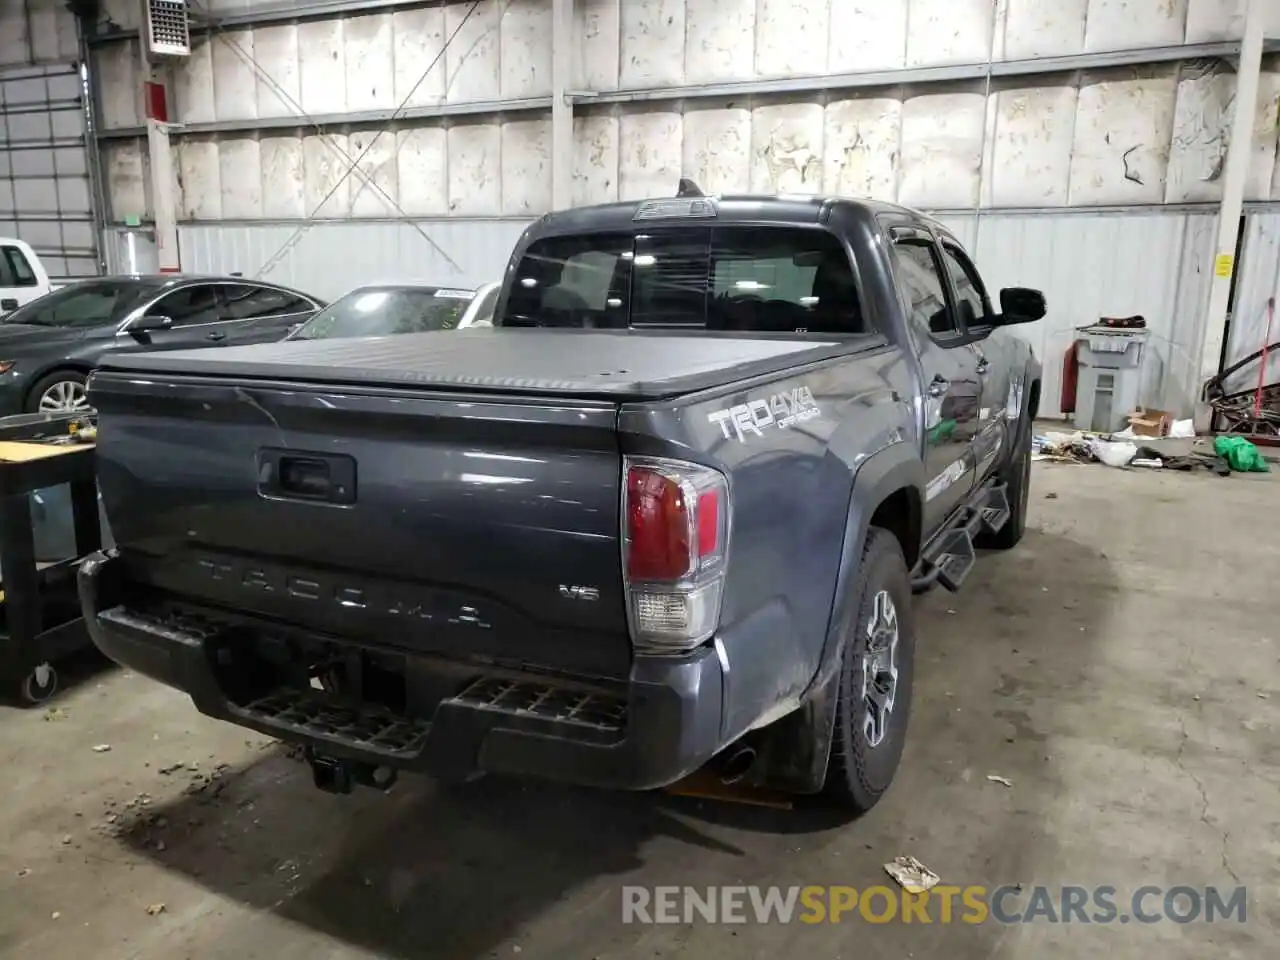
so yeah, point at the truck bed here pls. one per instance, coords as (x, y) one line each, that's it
(615, 366)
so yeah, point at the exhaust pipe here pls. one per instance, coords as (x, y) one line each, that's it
(737, 765)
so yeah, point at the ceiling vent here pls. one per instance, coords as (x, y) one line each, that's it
(166, 30)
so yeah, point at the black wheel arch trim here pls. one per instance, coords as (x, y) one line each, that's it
(894, 467)
(802, 740)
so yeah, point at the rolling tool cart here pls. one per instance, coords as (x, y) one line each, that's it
(42, 459)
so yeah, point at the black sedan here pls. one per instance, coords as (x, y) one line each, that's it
(48, 346)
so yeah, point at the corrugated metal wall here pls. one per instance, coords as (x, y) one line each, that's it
(328, 259)
(1258, 281)
(1089, 265)
(1093, 265)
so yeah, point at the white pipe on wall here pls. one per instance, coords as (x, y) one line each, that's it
(1239, 152)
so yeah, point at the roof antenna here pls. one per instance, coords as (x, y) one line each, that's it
(688, 188)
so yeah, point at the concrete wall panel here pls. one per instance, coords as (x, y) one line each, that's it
(475, 170)
(1029, 163)
(596, 159)
(786, 148)
(1123, 132)
(719, 41)
(652, 43)
(650, 154)
(717, 148)
(862, 150)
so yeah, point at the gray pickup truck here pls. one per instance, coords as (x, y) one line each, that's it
(666, 516)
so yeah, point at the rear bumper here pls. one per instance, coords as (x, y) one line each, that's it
(662, 725)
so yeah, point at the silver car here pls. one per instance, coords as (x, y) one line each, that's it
(382, 310)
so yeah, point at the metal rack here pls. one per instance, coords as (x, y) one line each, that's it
(39, 609)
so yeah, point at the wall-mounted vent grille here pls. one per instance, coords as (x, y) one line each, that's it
(168, 33)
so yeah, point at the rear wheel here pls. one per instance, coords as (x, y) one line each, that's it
(873, 686)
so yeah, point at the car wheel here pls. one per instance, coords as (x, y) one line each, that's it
(60, 392)
(873, 686)
(1017, 478)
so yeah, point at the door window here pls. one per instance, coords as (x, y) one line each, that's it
(247, 302)
(189, 306)
(15, 271)
(971, 295)
(920, 281)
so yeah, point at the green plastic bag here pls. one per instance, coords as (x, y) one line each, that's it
(1241, 455)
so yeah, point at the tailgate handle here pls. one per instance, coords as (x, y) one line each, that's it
(317, 477)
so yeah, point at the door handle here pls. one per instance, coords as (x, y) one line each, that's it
(938, 385)
(216, 335)
(983, 366)
(9, 303)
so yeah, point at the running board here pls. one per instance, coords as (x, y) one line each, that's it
(948, 557)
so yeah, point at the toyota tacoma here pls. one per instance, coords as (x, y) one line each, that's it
(666, 516)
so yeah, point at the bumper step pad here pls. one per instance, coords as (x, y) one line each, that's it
(365, 726)
(593, 710)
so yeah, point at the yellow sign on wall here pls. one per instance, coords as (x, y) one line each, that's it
(1222, 266)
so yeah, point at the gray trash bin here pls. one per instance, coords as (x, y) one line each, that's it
(1110, 379)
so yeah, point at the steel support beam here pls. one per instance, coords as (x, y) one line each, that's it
(334, 121)
(562, 150)
(951, 73)
(798, 86)
(1236, 172)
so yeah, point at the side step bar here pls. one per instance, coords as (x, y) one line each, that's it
(948, 557)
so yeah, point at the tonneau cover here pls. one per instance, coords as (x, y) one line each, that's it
(611, 365)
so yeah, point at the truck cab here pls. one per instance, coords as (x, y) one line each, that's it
(22, 275)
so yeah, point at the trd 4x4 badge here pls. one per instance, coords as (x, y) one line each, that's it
(755, 416)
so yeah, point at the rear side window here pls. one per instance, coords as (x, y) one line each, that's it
(920, 281)
(245, 302)
(739, 279)
(189, 305)
(15, 271)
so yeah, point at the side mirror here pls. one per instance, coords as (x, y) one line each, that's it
(1021, 305)
(150, 321)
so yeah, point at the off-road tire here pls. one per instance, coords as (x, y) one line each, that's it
(1017, 477)
(858, 774)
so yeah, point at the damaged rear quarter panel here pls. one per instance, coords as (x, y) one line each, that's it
(790, 447)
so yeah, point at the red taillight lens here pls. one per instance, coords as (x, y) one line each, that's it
(659, 542)
(708, 523)
(675, 521)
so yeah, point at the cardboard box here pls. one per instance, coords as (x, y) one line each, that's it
(1148, 422)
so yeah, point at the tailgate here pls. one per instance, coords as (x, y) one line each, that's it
(465, 526)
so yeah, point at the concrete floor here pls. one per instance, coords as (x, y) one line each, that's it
(1120, 668)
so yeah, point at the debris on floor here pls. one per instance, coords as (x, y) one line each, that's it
(1241, 455)
(102, 748)
(998, 779)
(1119, 450)
(912, 875)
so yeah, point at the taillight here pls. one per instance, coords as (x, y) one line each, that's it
(675, 538)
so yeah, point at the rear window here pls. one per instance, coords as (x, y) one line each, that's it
(749, 279)
(374, 312)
